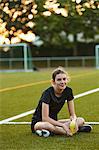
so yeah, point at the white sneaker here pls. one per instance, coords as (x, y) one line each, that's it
(38, 132)
(44, 133)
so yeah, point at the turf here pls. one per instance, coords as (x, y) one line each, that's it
(16, 101)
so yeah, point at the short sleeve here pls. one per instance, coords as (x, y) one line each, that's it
(45, 97)
(70, 95)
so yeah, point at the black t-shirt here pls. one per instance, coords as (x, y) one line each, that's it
(55, 103)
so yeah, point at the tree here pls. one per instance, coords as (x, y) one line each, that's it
(52, 20)
(16, 20)
(70, 18)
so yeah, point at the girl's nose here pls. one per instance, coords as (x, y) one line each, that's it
(62, 81)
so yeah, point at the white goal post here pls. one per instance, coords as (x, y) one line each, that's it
(97, 56)
(26, 58)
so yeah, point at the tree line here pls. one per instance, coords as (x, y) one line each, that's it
(54, 22)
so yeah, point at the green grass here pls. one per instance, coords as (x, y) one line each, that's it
(16, 101)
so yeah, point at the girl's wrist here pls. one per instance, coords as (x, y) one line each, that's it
(73, 118)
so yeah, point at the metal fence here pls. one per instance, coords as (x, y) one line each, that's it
(81, 61)
(47, 62)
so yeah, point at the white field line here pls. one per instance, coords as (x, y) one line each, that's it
(17, 116)
(93, 123)
(29, 123)
(32, 111)
(86, 93)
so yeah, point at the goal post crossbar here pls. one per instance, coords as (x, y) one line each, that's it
(18, 44)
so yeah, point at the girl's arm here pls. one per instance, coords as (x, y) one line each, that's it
(72, 113)
(71, 110)
(45, 116)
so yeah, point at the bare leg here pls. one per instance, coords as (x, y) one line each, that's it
(50, 127)
(44, 125)
(56, 129)
(80, 121)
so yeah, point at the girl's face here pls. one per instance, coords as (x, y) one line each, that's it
(60, 81)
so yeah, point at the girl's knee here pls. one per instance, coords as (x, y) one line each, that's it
(44, 125)
(80, 121)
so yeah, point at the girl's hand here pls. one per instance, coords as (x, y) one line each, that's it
(66, 128)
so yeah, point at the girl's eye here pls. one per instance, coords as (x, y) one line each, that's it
(64, 79)
(59, 79)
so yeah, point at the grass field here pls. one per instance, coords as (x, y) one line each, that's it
(21, 92)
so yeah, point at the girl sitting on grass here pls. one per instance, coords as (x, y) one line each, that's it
(45, 121)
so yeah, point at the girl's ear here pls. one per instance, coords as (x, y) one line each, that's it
(52, 82)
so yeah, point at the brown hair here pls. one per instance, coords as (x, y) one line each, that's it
(60, 70)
